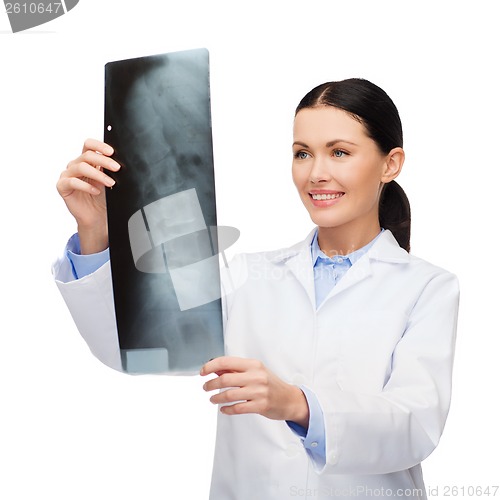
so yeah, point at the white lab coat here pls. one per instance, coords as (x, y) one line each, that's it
(377, 353)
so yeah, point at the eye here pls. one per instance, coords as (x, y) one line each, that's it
(339, 153)
(301, 155)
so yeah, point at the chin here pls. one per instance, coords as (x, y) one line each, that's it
(324, 220)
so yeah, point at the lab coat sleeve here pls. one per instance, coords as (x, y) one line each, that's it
(400, 426)
(313, 439)
(90, 302)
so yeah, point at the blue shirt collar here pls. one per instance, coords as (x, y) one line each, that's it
(316, 252)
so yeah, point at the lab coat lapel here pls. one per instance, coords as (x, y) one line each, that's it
(298, 260)
(385, 249)
(301, 266)
(361, 270)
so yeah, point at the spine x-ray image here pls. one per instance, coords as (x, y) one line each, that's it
(162, 214)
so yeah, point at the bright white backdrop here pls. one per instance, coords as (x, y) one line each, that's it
(72, 428)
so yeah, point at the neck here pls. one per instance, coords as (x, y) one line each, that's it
(345, 240)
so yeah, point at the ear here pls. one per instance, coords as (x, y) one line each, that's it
(393, 165)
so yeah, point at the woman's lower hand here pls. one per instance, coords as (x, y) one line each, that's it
(247, 386)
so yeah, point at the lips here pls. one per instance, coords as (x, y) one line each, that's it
(325, 198)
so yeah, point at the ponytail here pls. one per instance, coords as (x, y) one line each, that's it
(395, 214)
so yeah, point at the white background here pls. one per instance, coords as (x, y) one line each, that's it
(70, 428)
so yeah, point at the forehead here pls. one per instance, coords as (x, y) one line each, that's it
(326, 123)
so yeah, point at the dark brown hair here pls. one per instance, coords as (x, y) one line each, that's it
(370, 105)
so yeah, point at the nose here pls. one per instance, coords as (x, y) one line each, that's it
(320, 172)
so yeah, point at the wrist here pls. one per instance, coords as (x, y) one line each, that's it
(92, 239)
(299, 408)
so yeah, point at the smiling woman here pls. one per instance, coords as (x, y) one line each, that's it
(339, 350)
(348, 142)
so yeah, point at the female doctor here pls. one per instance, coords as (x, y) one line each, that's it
(337, 378)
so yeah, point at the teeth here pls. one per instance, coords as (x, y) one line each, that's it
(326, 196)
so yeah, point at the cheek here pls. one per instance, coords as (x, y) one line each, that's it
(299, 176)
(363, 180)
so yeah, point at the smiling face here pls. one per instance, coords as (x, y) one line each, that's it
(339, 171)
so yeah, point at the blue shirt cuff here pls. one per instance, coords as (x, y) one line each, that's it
(83, 265)
(313, 438)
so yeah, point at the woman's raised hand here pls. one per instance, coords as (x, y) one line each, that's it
(81, 186)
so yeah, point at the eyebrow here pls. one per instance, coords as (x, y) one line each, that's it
(328, 144)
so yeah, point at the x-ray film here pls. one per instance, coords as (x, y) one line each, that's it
(163, 234)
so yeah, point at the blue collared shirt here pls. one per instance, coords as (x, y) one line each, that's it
(327, 273)
(329, 270)
(83, 265)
